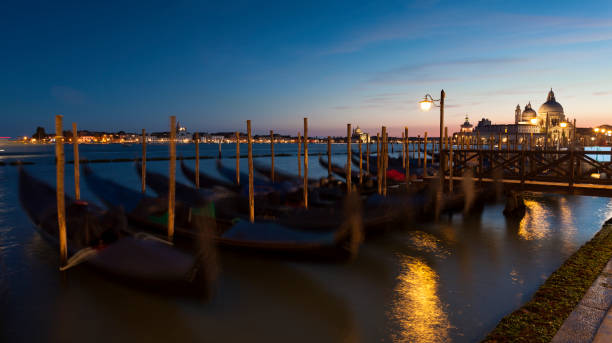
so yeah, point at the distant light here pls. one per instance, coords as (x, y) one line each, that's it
(426, 104)
(534, 121)
(563, 124)
(592, 138)
(596, 175)
(596, 129)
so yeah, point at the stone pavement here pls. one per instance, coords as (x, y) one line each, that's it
(591, 320)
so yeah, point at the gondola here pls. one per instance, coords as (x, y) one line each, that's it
(326, 217)
(263, 236)
(395, 172)
(207, 181)
(280, 175)
(261, 185)
(336, 169)
(101, 240)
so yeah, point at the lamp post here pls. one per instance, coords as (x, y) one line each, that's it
(426, 104)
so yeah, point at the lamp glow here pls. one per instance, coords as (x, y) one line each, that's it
(534, 121)
(563, 124)
(596, 129)
(426, 104)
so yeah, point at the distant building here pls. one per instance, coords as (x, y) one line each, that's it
(358, 134)
(550, 117)
(466, 126)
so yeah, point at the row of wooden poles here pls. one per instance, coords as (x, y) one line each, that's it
(381, 151)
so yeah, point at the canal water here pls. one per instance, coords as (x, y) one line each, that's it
(450, 281)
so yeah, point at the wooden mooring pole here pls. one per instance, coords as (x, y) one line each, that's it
(385, 162)
(378, 164)
(172, 174)
(272, 156)
(61, 206)
(360, 162)
(377, 152)
(418, 148)
(197, 146)
(306, 162)
(329, 170)
(75, 151)
(251, 186)
(348, 159)
(450, 166)
(407, 155)
(403, 151)
(299, 153)
(237, 158)
(197, 160)
(143, 176)
(425, 155)
(368, 154)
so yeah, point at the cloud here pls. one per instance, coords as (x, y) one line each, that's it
(602, 93)
(68, 95)
(411, 24)
(427, 72)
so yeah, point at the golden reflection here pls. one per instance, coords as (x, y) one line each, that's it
(416, 308)
(534, 224)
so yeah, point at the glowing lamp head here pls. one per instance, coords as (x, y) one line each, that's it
(563, 124)
(596, 129)
(609, 132)
(425, 104)
(534, 121)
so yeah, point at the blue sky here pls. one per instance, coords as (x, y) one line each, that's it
(112, 66)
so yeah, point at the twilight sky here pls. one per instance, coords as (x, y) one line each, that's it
(214, 64)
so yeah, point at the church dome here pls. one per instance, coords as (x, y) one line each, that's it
(528, 113)
(551, 105)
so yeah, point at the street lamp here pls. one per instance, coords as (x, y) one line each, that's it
(426, 104)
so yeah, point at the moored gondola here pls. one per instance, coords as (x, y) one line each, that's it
(231, 231)
(101, 240)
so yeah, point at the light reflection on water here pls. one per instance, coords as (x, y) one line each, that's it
(535, 224)
(416, 305)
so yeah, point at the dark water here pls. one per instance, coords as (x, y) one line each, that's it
(450, 281)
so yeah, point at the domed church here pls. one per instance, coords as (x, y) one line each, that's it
(550, 118)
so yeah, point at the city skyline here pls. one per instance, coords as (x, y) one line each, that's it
(215, 66)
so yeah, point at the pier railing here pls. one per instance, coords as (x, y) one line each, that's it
(570, 170)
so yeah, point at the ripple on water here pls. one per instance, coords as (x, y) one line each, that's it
(427, 243)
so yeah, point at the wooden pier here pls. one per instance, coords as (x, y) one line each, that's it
(568, 171)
